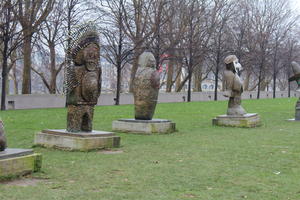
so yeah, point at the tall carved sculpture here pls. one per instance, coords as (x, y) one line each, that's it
(82, 88)
(3, 144)
(296, 77)
(145, 93)
(146, 87)
(236, 115)
(233, 85)
(83, 79)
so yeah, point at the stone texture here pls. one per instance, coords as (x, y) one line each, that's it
(13, 162)
(296, 77)
(154, 126)
(249, 120)
(2, 137)
(83, 78)
(83, 141)
(146, 87)
(233, 86)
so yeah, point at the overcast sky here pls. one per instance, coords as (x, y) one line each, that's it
(296, 5)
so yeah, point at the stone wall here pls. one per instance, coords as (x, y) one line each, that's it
(58, 101)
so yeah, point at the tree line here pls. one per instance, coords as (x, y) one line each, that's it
(192, 37)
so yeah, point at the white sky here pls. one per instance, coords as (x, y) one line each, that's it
(295, 5)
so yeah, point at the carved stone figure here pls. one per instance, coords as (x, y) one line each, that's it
(2, 137)
(146, 87)
(233, 86)
(83, 78)
(296, 77)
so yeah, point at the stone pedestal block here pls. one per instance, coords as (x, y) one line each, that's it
(248, 120)
(82, 141)
(14, 162)
(154, 126)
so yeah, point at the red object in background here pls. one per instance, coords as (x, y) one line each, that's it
(162, 57)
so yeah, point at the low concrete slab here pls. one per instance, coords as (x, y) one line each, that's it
(14, 162)
(82, 141)
(248, 120)
(154, 126)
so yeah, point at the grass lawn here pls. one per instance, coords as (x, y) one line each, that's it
(198, 161)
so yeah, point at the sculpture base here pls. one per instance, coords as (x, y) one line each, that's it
(293, 120)
(81, 141)
(248, 120)
(15, 162)
(154, 126)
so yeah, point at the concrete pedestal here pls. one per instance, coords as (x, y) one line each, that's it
(154, 126)
(248, 120)
(14, 162)
(82, 141)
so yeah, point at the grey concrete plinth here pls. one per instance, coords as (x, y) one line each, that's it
(293, 120)
(81, 141)
(154, 126)
(248, 120)
(14, 162)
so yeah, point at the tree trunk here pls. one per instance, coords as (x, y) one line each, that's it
(117, 102)
(26, 82)
(52, 88)
(170, 75)
(247, 81)
(189, 86)
(178, 78)
(4, 78)
(197, 79)
(134, 68)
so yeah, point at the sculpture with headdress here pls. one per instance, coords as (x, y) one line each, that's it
(233, 85)
(82, 78)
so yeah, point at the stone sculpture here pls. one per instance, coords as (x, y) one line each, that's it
(83, 79)
(146, 87)
(82, 89)
(233, 85)
(3, 144)
(145, 93)
(236, 115)
(296, 77)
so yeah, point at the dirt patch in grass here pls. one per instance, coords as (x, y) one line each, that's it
(110, 151)
(23, 182)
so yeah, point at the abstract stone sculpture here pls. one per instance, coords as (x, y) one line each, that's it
(296, 77)
(83, 79)
(3, 144)
(236, 114)
(145, 93)
(233, 86)
(146, 87)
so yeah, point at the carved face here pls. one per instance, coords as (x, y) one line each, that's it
(91, 54)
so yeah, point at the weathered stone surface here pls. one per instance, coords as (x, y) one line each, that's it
(154, 126)
(14, 162)
(2, 137)
(83, 78)
(233, 86)
(249, 120)
(146, 87)
(296, 77)
(83, 141)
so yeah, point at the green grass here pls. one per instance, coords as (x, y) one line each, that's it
(197, 162)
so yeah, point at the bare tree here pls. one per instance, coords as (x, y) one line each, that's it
(117, 50)
(10, 39)
(30, 14)
(50, 36)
